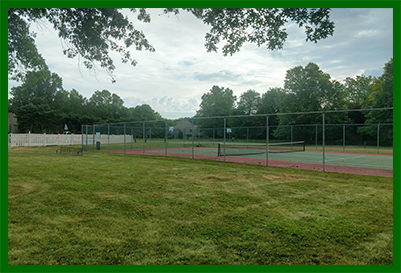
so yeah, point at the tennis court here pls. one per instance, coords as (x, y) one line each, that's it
(289, 155)
(359, 148)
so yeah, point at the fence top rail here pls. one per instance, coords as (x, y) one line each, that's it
(261, 127)
(243, 116)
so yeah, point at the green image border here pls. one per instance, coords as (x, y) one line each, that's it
(4, 267)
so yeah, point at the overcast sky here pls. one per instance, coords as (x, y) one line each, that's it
(173, 79)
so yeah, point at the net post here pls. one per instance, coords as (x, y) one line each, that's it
(108, 138)
(324, 142)
(267, 140)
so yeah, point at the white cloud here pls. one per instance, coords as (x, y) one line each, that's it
(173, 79)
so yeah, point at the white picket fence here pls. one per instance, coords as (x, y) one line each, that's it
(30, 140)
(105, 139)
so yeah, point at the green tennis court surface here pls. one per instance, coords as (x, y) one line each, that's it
(336, 158)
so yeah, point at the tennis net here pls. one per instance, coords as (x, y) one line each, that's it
(241, 149)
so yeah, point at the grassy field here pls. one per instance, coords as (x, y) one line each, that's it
(123, 209)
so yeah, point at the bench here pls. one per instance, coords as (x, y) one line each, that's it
(69, 150)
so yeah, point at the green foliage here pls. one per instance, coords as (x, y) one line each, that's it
(309, 89)
(42, 105)
(22, 52)
(381, 96)
(93, 33)
(143, 113)
(262, 26)
(219, 101)
(89, 33)
(249, 102)
(358, 89)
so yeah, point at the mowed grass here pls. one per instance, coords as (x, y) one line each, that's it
(124, 209)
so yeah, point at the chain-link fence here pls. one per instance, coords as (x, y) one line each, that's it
(323, 134)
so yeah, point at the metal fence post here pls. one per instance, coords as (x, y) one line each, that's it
(82, 136)
(124, 135)
(267, 140)
(192, 135)
(224, 137)
(144, 137)
(93, 134)
(165, 135)
(324, 143)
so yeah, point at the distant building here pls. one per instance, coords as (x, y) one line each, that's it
(185, 127)
(12, 123)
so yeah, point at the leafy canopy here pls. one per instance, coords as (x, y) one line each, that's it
(93, 33)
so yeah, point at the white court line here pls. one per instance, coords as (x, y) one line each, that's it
(343, 158)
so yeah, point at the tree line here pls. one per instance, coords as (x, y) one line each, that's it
(42, 105)
(306, 89)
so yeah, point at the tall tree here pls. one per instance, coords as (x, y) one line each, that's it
(219, 101)
(358, 90)
(381, 97)
(249, 102)
(310, 89)
(106, 107)
(382, 93)
(37, 84)
(93, 33)
(270, 103)
(37, 93)
(143, 113)
(247, 105)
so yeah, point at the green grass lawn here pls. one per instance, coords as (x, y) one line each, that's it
(124, 209)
